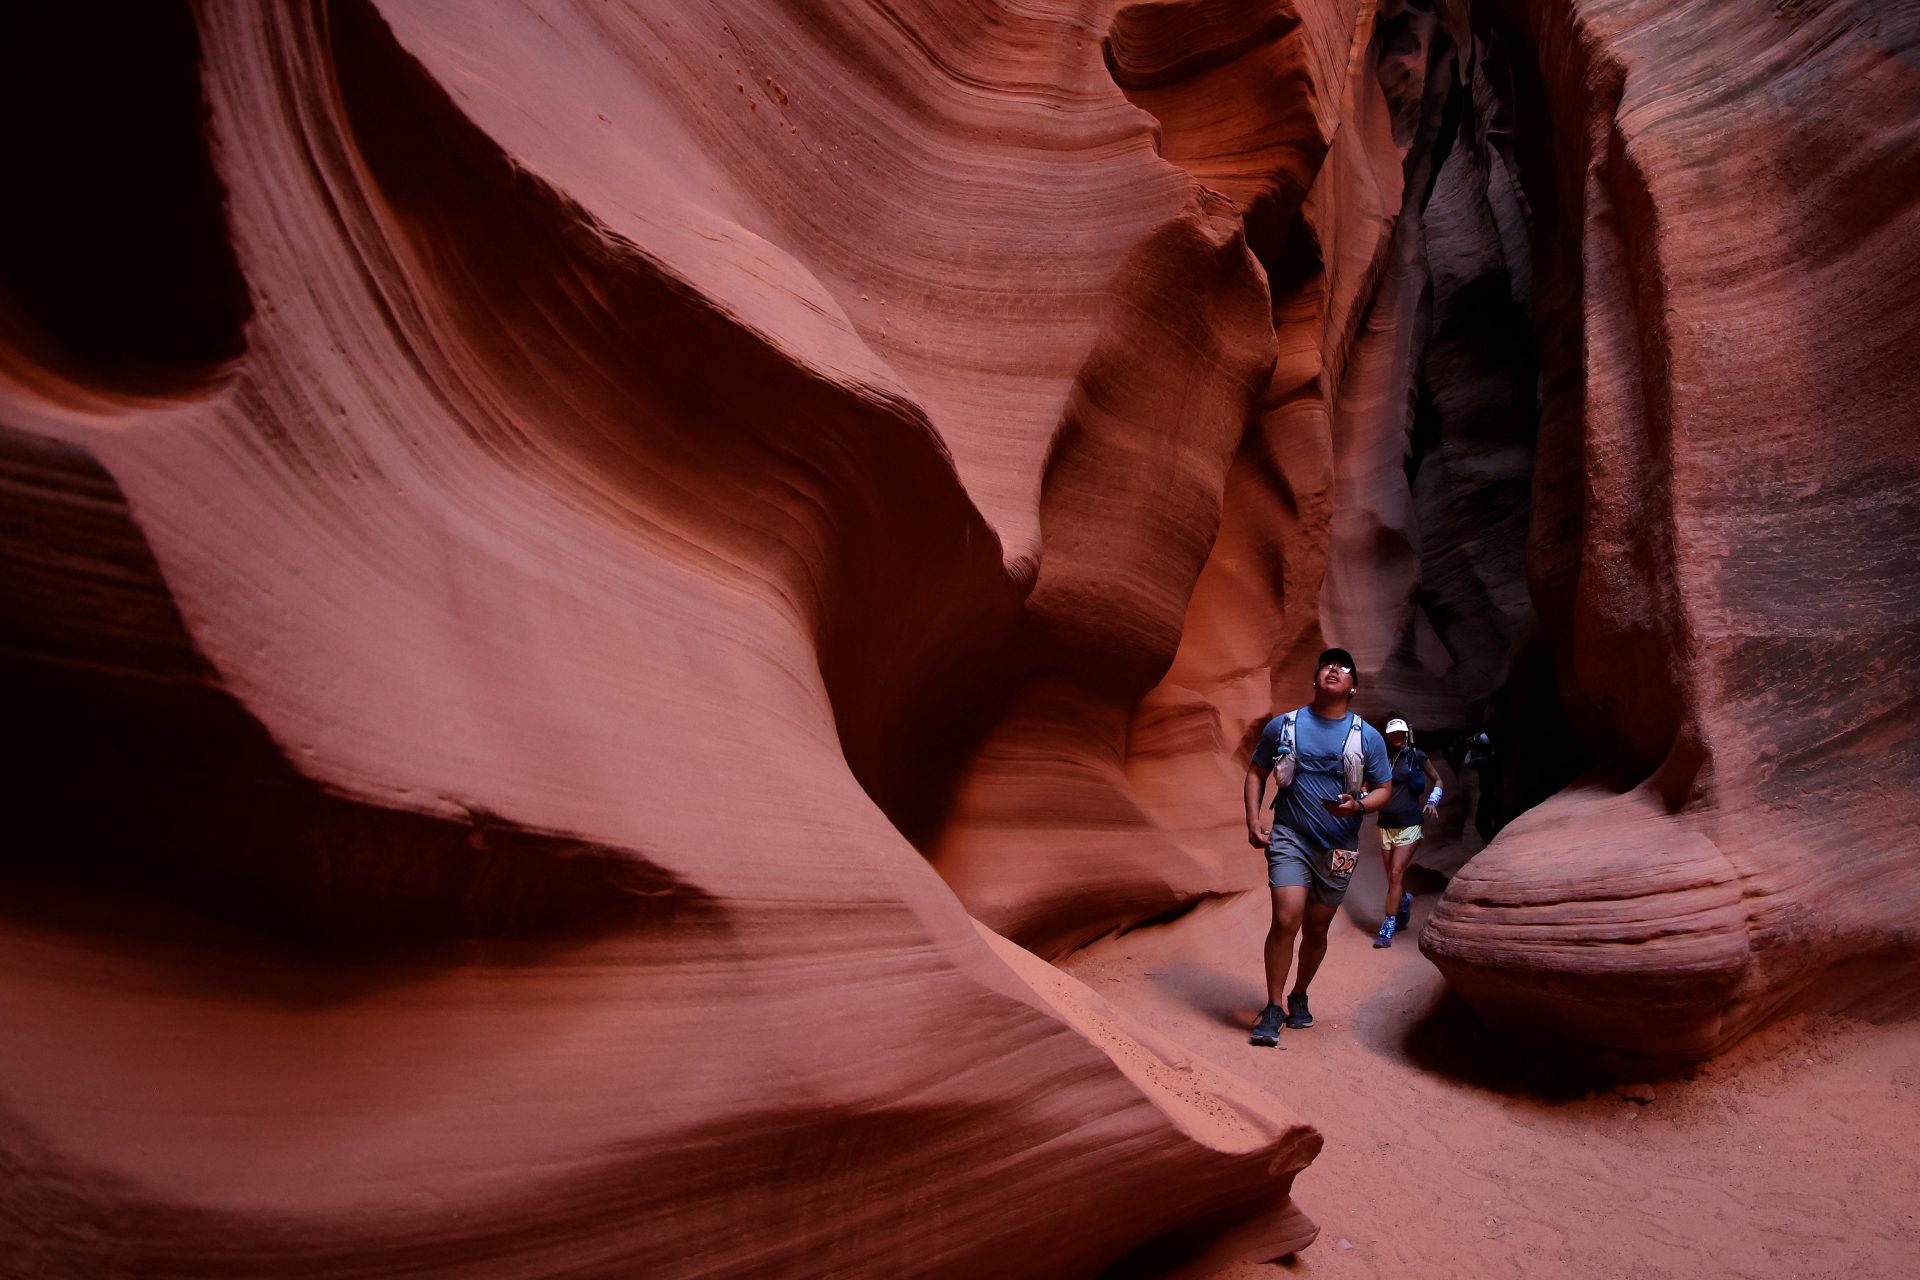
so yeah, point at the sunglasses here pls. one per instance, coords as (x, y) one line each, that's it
(1341, 667)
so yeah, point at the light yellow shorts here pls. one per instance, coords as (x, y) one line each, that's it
(1392, 838)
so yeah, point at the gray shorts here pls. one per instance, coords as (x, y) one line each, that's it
(1293, 863)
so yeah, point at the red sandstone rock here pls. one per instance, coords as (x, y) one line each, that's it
(1107, 793)
(611, 483)
(1724, 539)
(478, 705)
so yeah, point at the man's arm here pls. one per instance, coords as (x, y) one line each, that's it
(1252, 791)
(1352, 806)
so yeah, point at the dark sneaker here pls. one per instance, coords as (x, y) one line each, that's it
(1385, 937)
(1405, 913)
(1299, 1017)
(1266, 1028)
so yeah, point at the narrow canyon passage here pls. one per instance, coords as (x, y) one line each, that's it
(631, 633)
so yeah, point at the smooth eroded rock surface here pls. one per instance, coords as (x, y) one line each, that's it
(1724, 548)
(591, 592)
(474, 722)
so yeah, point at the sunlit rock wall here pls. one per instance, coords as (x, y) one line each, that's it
(478, 673)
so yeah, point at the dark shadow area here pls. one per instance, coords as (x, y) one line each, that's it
(1263, 1227)
(1447, 1040)
(1479, 173)
(1165, 917)
(115, 268)
(130, 774)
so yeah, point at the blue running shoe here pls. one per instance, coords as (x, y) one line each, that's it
(1405, 913)
(1385, 937)
(1266, 1029)
(1299, 1017)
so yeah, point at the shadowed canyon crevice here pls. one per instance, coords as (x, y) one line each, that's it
(115, 271)
(592, 592)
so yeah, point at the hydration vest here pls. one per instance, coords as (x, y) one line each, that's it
(1353, 757)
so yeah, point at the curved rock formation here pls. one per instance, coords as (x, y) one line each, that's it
(594, 590)
(475, 702)
(1726, 529)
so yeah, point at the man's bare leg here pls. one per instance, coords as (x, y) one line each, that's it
(1313, 942)
(1288, 905)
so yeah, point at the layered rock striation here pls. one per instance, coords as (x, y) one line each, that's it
(480, 683)
(1723, 547)
(592, 591)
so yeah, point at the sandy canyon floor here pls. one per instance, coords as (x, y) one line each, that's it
(1796, 1155)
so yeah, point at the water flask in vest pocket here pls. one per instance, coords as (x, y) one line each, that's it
(1283, 755)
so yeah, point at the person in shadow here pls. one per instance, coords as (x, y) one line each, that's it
(1415, 800)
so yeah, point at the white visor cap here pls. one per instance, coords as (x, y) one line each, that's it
(1396, 726)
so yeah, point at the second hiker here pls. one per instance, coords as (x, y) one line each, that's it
(1416, 797)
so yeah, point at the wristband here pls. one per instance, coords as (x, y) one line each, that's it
(1433, 796)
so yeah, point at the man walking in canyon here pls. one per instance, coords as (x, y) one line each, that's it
(1331, 770)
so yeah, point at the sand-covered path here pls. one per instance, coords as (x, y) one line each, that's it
(1798, 1154)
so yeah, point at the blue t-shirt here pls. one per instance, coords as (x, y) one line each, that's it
(1318, 775)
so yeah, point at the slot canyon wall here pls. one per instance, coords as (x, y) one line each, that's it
(589, 592)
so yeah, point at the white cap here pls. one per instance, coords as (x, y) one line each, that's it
(1396, 726)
